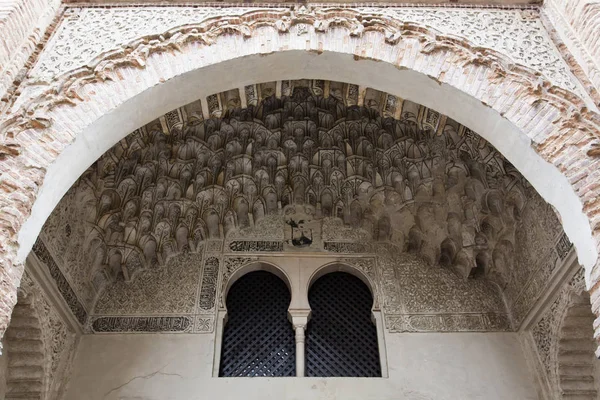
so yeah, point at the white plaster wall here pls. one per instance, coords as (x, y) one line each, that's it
(424, 366)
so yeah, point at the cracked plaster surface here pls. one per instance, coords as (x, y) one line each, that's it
(151, 375)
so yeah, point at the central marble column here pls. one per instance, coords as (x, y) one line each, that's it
(299, 320)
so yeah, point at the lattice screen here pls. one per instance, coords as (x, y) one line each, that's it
(341, 339)
(258, 339)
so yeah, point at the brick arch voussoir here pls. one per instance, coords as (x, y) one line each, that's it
(557, 124)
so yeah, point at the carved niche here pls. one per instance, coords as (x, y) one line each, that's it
(40, 346)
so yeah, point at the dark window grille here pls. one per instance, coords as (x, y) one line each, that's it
(341, 339)
(258, 339)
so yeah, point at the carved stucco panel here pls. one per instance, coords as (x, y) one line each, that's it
(536, 257)
(170, 289)
(517, 33)
(85, 33)
(68, 234)
(59, 340)
(475, 322)
(423, 289)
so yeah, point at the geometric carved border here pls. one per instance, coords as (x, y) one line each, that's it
(488, 322)
(346, 247)
(537, 284)
(107, 30)
(153, 324)
(255, 245)
(208, 288)
(42, 253)
(563, 246)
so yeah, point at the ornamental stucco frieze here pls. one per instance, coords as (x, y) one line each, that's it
(86, 33)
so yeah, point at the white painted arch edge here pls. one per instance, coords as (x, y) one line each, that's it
(162, 97)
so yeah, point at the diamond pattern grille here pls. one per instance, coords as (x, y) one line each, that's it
(258, 339)
(341, 339)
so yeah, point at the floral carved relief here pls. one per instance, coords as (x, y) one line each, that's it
(167, 290)
(86, 33)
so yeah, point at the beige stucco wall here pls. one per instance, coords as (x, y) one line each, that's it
(446, 366)
(3, 371)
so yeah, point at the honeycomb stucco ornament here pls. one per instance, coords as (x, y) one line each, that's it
(554, 118)
(309, 172)
(421, 180)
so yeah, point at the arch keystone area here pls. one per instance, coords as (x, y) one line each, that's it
(54, 134)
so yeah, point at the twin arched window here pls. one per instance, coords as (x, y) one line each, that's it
(258, 339)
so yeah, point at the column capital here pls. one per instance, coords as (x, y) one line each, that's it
(299, 317)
